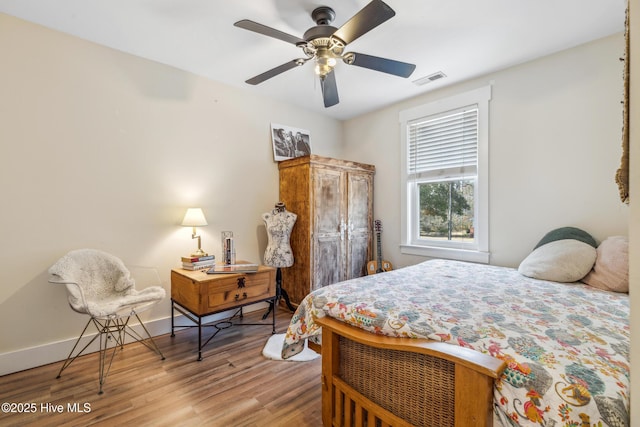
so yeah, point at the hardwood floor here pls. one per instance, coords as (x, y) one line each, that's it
(234, 385)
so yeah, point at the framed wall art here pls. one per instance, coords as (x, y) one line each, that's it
(289, 142)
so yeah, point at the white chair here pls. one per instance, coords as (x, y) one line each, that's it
(100, 286)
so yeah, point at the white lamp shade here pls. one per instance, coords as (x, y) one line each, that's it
(194, 218)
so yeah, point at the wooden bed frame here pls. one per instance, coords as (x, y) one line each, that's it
(373, 380)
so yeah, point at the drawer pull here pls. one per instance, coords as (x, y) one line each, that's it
(244, 296)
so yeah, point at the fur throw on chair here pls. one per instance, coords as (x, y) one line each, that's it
(100, 285)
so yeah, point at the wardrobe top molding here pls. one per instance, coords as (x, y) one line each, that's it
(321, 161)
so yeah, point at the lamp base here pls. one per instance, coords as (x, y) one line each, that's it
(199, 253)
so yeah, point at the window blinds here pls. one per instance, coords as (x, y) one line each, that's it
(445, 145)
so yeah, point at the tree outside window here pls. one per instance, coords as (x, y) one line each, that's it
(446, 210)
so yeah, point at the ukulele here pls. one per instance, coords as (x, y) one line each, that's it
(378, 266)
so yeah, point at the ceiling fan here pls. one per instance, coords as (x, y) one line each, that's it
(325, 44)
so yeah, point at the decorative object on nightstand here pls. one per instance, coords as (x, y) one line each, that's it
(198, 263)
(195, 218)
(228, 248)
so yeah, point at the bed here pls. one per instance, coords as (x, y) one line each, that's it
(447, 343)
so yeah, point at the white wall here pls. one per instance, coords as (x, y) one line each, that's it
(106, 150)
(555, 145)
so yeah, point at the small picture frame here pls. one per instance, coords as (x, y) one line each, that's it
(289, 142)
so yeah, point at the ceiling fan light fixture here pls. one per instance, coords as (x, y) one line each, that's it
(323, 69)
(325, 61)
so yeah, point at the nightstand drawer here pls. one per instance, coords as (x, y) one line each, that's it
(204, 294)
(229, 292)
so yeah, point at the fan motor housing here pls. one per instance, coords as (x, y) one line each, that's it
(319, 31)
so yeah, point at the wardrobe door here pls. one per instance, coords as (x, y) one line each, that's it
(359, 223)
(328, 227)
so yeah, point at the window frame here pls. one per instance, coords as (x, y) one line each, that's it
(411, 243)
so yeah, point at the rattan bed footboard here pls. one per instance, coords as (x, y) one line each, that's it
(372, 380)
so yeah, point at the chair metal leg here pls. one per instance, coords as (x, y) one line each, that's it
(114, 330)
(106, 333)
(71, 358)
(146, 341)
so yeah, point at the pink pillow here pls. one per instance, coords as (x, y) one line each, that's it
(611, 270)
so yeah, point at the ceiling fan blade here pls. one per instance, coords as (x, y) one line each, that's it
(268, 31)
(389, 66)
(369, 17)
(274, 71)
(329, 89)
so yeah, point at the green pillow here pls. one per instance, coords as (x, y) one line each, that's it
(567, 233)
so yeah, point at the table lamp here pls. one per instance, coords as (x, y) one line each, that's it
(195, 218)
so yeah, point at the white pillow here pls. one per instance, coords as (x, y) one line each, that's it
(566, 260)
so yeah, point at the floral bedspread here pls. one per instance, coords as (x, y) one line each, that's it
(566, 345)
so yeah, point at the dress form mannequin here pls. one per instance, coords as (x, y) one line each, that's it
(279, 223)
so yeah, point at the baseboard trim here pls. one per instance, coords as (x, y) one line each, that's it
(32, 357)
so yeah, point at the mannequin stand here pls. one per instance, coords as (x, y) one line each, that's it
(280, 293)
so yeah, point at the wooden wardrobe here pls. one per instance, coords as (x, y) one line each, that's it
(332, 239)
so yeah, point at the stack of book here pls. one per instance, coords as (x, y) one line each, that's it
(198, 263)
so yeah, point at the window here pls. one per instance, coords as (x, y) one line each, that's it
(445, 177)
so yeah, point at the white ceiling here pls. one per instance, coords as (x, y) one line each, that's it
(461, 38)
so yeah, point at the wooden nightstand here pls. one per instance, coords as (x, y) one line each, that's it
(197, 294)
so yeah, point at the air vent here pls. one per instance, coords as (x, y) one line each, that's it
(430, 78)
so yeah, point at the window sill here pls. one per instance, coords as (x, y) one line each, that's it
(447, 253)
